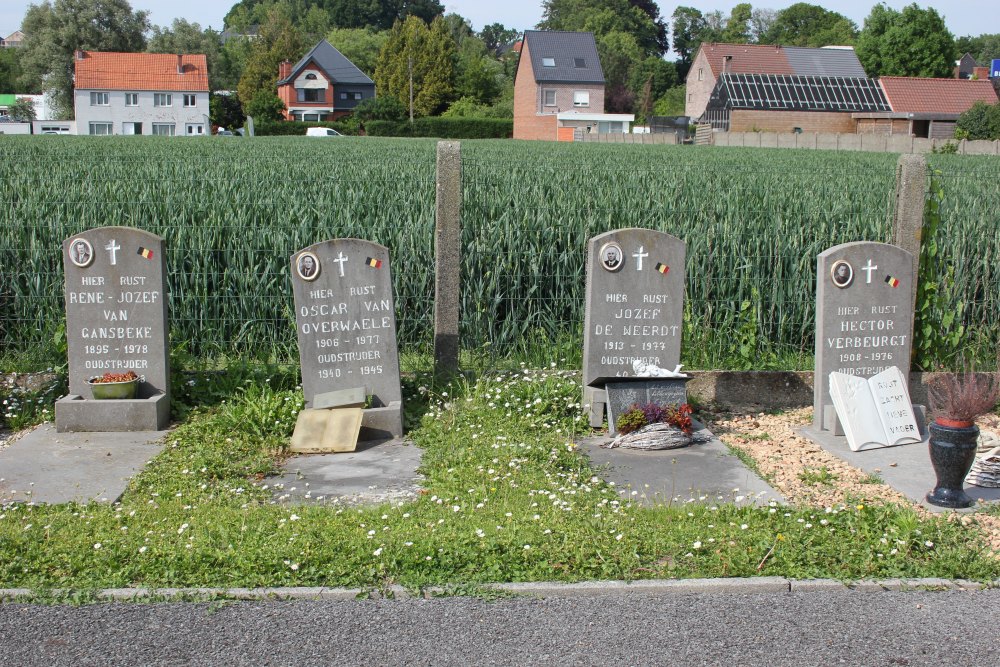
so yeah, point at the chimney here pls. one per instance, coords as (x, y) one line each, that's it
(79, 54)
(725, 63)
(180, 64)
(284, 70)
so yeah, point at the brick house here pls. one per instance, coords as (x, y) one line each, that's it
(926, 108)
(324, 85)
(141, 93)
(559, 88)
(13, 40)
(713, 60)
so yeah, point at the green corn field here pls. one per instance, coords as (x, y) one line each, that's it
(233, 211)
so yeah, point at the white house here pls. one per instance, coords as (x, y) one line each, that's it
(141, 93)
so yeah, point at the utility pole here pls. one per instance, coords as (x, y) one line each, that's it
(410, 66)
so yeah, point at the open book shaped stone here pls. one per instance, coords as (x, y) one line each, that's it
(875, 412)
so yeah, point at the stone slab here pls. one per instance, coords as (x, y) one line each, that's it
(623, 393)
(342, 398)
(906, 468)
(321, 431)
(45, 466)
(377, 472)
(77, 414)
(382, 423)
(707, 473)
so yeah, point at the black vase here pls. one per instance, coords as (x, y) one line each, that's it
(953, 451)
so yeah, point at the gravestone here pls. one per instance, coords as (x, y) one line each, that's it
(635, 310)
(345, 316)
(116, 321)
(864, 318)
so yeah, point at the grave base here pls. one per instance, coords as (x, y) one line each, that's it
(619, 393)
(77, 414)
(382, 423)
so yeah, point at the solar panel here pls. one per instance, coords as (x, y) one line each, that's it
(798, 93)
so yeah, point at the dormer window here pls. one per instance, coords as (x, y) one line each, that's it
(580, 63)
(311, 76)
(548, 62)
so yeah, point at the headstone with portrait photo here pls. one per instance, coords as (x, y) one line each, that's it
(634, 311)
(864, 318)
(345, 317)
(116, 324)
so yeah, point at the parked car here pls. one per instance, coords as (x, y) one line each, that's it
(322, 132)
(223, 132)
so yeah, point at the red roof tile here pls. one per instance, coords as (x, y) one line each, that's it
(140, 71)
(943, 96)
(747, 59)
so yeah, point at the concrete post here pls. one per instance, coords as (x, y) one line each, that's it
(908, 220)
(447, 258)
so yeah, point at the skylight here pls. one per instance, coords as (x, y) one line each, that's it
(580, 63)
(548, 62)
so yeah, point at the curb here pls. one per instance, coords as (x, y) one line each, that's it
(744, 586)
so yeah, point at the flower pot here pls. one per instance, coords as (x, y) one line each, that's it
(953, 451)
(113, 390)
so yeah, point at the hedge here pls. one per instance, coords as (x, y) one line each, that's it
(282, 128)
(443, 128)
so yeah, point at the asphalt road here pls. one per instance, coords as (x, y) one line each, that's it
(818, 628)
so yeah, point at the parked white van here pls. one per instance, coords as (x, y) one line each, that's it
(322, 132)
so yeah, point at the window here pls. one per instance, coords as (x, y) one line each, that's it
(549, 98)
(357, 96)
(581, 98)
(190, 100)
(343, 96)
(701, 73)
(131, 99)
(311, 95)
(311, 76)
(161, 100)
(194, 129)
(580, 63)
(100, 99)
(548, 62)
(163, 129)
(131, 128)
(100, 128)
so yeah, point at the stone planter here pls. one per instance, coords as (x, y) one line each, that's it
(113, 390)
(953, 451)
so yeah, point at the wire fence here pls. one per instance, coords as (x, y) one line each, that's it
(232, 212)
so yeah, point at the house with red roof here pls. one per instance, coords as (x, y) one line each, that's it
(161, 94)
(712, 60)
(927, 108)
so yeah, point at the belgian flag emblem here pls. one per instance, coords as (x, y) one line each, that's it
(145, 253)
(374, 263)
(662, 268)
(891, 282)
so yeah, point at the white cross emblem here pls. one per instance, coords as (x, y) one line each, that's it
(113, 248)
(639, 255)
(869, 268)
(340, 260)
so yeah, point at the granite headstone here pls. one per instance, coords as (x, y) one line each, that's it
(345, 316)
(864, 318)
(116, 321)
(634, 308)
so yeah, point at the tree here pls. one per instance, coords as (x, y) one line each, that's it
(384, 107)
(689, 28)
(496, 36)
(10, 74)
(981, 121)
(477, 75)
(672, 103)
(374, 14)
(913, 42)
(603, 17)
(225, 111)
(737, 30)
(265, 105)
(803, 24)
(430, 50)
(277, 41)
(185, 37)
(22, 110)
(55, 30)
(359, 45)
(761, 21)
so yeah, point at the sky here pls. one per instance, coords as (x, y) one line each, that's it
(963, 17)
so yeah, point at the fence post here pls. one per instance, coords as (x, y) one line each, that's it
(447, 257)
(908, 221)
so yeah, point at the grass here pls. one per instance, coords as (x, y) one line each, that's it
(818, 476)
(508, 498)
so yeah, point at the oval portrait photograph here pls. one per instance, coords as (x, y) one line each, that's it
(81, 252)
(611, 256)
(307, 266)
(842, 273)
